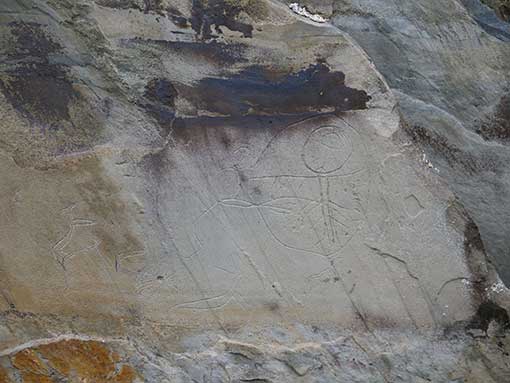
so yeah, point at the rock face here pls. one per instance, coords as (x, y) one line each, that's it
(448, 64)
(227, 191)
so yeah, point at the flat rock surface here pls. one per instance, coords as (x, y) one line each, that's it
(229, 191)
(448, 63)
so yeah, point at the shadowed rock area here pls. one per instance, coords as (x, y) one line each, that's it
(227, 191)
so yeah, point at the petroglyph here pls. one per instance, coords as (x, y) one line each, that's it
(265, 181)
(327, 149)
(225, 191)
(67, 248)
(301, 204)
(413, 206)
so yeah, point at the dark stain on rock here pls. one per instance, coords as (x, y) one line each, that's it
(177, 18)
(195, 131)
(37, 89)
(491, 22)
(225, 140)
(272, 306)
(162, 91)
(261, 91)
(487, 313)
(146, 6)
(497, 126)
(256, 98)
(477, 262)
(153, 6)
(42, 91)
(164, 116)
(159, 7)
(31, 41)
(159, 101)
(504, 11)
(121, 4)
(242, 176)
(476, 258)
(181, 22)
(206, 14)
(456, 158)
(156, 164)
(474, 249)
(472, 238)
(211, 51)
(149, 6)
(501, 7)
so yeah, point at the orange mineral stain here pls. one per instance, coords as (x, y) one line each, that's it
(32, 368)
(86, 360)
(29, 377)
(70, 360)
(4, 378)
(28, 361)
(126, 375)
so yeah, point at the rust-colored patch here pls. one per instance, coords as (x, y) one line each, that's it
(32, 368)
(115, 357)
(71, 360)
(127, 374)
(4, 378)
(28, 361)
(87, 360)
(29, 377)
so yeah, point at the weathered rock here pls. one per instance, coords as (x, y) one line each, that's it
(502, 8)
(227, 191)
(448, 63)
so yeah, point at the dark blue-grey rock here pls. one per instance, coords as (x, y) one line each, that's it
(449, 65)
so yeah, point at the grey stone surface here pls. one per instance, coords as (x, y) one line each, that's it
(227, 191)
(448, 63)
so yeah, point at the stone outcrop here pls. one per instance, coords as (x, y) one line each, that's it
(228, 191)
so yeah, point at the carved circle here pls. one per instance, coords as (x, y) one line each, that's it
(327, 149)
